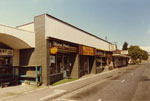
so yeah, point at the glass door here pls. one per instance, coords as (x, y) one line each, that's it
(86, 64)
(66, 65)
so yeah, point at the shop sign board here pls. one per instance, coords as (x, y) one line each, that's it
(125, 52)
(58, 45)
(84, 50)
(112, 47)
(6, 52)
(64, 46)
(53, 50)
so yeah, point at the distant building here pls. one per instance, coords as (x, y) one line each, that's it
(120, 58)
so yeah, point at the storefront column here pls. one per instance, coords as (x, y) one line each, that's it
(16, 58)
(42, 48)
(107, 61)
(75, 69)
(107, 64)
(93, 71)
(16, 61)
(111, 63)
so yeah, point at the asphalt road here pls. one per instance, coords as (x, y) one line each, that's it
(131, 84)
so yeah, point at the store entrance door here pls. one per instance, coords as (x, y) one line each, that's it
(86, 65)
(66, 65)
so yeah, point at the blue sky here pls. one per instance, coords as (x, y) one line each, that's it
(119, 20)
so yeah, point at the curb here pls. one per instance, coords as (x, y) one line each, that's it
(62, 92)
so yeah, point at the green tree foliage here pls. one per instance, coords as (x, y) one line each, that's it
(125, 46)
(145, 55)
(137, 53)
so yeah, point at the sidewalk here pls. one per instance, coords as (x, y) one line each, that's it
(47, 93)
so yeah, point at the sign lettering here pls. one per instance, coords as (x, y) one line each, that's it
(6, 52)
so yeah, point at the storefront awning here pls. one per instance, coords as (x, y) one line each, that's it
(120, 55)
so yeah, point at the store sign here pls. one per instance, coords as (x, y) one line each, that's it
(84, 50)
(53, 50)
(6, 52)
(125, 52)
(58, 45)
(113, 47)
(63, 46)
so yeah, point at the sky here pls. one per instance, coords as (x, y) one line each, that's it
(118, 20)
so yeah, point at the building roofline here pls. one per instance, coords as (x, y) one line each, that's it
(24, 24)
(16, 28)
(75, 27)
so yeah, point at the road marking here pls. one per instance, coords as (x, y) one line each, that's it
(99, 100)
(123, 81)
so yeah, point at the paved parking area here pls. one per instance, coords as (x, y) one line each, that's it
(12, 91)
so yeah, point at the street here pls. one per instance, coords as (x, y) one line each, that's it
(131, 84)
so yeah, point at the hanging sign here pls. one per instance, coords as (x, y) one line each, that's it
(53, 50)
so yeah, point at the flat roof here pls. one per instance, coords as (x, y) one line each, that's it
(24, 24)
(74, 27)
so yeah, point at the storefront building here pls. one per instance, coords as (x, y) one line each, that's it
(103, 60)
(62, 57)
(61, 49)
(86, 60)
(120, 58)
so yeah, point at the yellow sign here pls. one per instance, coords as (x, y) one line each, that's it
(53, 50)
(87, 50)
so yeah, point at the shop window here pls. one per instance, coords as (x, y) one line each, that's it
(98, 62)
(81, 62)
(61, 62)
(84, 63)
(109, 60)
(5, 61)
(53, 69)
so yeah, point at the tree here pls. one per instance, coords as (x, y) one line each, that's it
(125, 46)
(145, 55)
(137, 53)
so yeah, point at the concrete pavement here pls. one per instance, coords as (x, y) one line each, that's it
(49, 93)
(129, 84)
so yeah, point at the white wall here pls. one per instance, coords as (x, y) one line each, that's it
(28, 27)
(59, 30)
(15, 38)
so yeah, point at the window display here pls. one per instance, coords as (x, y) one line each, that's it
(5, 61)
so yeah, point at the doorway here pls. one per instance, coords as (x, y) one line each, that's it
(66, 65)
